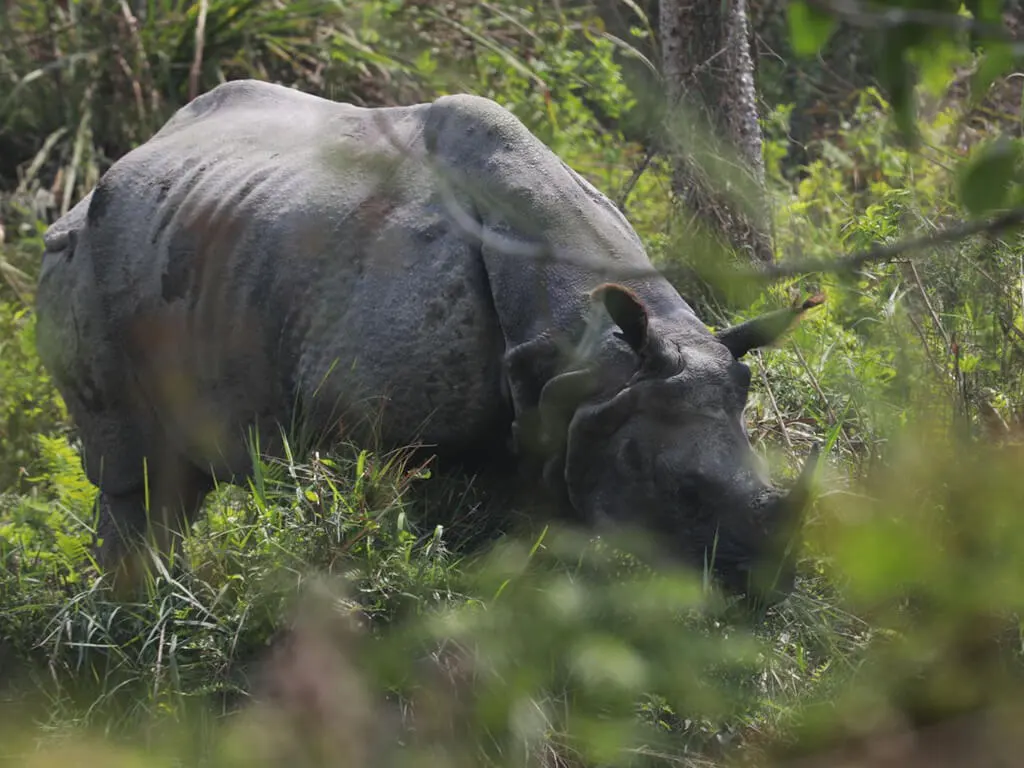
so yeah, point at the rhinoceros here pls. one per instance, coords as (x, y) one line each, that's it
(430, 274)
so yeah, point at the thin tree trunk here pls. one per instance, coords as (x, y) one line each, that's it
(713, 130)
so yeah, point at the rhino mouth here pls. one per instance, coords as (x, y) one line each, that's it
(758, 560)
(750, 552)
(757, 586)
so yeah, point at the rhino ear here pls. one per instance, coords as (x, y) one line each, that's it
(764, 330)
(627, 311)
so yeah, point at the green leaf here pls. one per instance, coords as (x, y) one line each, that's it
(937, 64)
(997, 60)
(989, 176)
(988, 11)
(809, 28)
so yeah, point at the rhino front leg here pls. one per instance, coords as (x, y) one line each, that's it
(127, 523)
(120, 529)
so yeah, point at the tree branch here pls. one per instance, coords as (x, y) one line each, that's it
(471, 227)
(852, 262)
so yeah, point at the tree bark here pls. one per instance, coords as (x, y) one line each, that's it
(713, 130)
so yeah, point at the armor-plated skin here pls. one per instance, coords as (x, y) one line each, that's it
(430, 274)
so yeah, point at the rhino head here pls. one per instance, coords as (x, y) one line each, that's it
(654, 436)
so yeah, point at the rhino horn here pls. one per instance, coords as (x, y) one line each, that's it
(800, 494)
(764, 330)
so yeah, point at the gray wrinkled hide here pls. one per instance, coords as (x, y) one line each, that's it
(409, 273)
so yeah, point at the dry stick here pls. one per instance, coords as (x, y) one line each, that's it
(637, 173)
(136, 86)
(961, 382)
(130, 25)
(140, 51)
(197, 61)
(850, 263)
(824, 400)
(773, 401)
(939, 371)
(159, 658)
(1015, 330)
(931, 309)
(19, 282)
(941, 330)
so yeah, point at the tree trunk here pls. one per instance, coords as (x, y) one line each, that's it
(713, 131)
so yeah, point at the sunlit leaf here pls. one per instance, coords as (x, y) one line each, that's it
(997, 60)
(810, 28)
(989, 176)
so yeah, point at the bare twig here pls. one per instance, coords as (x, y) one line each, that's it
(637, 173)
(1010, 329)
(19, 282)
(140, 104)
(961, 383)
(197, 61)
(824, 400)
(931, 310)
(771, 399)
(951, 349)
(142, 60)
(1020, 272)
(940, 372)
(77, 150)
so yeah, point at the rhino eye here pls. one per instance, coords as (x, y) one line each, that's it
(630, 455)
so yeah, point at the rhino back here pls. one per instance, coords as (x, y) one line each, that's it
(267, 246)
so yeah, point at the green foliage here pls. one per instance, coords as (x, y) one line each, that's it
(910, 338)
(809, 27)
(28, 403)
(988, 180)
(915, 46)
